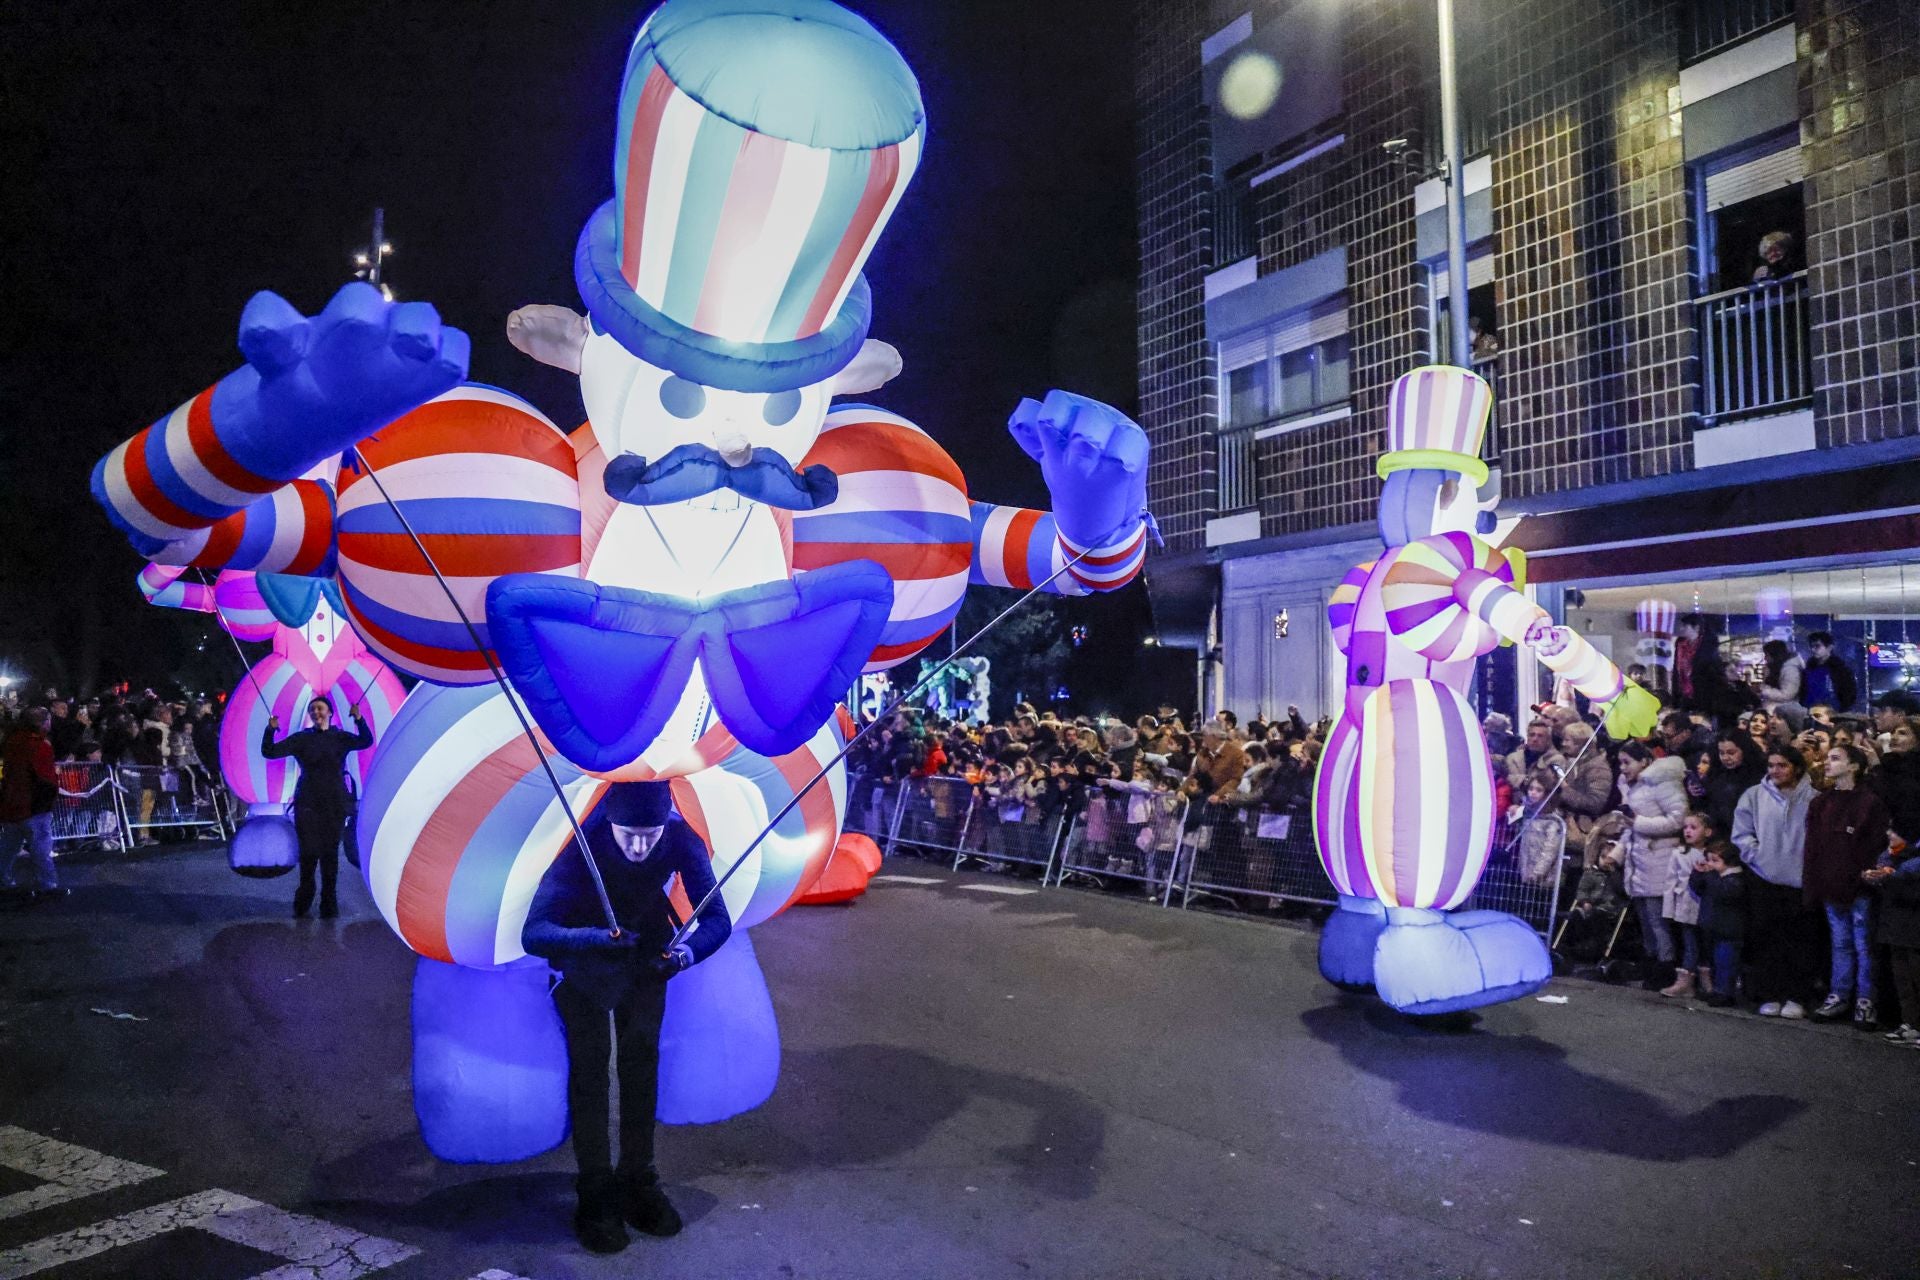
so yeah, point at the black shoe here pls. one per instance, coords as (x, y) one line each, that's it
(329, 910)
(596, 1223)
(302, 899)
(648, 1209)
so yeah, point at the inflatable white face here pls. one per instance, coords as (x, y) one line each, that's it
(640, 408)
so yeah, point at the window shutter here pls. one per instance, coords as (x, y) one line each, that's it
(1754, 177)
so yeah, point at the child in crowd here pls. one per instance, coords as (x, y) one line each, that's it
(1682, 907)
(1543, 831)
(1721, 887)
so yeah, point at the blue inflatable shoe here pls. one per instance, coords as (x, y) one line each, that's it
(1430, 962)
(1348, 939)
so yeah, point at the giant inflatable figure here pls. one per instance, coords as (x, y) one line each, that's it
(1403, 804)
(313, 654)
(680, 589)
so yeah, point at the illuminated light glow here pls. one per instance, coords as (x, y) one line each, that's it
(1250, 85)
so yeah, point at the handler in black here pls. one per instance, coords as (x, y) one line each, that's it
(639, 844)
(320, 798)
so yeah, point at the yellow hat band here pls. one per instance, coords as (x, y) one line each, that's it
(1432, 460)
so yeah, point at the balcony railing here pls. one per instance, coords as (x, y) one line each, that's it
(1753, 349)
(1712, 25)
(1237, 491)
(1233, 234)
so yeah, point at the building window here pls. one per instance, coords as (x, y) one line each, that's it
(1709, 26)
(1295, 367)
(1752, 308)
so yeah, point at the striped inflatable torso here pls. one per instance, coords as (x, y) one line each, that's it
(903, 505)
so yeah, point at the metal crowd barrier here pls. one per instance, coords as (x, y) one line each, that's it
(1028, 841)
(156, 797)
(873, 809)
(1508, 885)
(87, 811)
(1235, 853)
(1172, 849)
(1128, 836)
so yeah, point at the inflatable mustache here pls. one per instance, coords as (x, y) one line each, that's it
(691, 470)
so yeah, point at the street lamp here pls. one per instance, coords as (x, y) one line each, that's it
(1453, 173)
(369, 260)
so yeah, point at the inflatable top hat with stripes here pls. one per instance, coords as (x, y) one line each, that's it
(1436, 420)
(762, 146)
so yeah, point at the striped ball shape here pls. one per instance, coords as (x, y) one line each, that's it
(488, 484)
(902, 504)
(242, 611)
(458, 823)
(1423, 610)
(275, 688)
(730, 805)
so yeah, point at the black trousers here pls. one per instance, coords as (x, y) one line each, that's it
(630, 1034)
(1784, 943)
(318, 827)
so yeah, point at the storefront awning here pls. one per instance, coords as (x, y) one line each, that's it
(1832, 515)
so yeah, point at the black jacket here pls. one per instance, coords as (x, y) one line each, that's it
(566, 926)
(322, 757)
(1723, 906)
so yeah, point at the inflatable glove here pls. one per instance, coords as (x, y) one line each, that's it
(1094, 459)
(1633, 714)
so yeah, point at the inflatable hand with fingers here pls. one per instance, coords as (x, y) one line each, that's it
(683, 588)
(1403, 802)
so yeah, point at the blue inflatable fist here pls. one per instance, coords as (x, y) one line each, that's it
(1094, 459)
(314, 387)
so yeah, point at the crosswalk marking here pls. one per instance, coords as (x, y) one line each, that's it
(1011, 890)
(67, 1172)
(312, 1248)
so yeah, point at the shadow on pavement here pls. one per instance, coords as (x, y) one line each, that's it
(869, 1104)
(1520, 1086)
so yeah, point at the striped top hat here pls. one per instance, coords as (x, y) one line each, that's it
(1436, 420)
(762, 146)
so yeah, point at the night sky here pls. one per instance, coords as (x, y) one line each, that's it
(166, 161)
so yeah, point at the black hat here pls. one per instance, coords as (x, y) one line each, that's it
(1899, 700)
(638, 804)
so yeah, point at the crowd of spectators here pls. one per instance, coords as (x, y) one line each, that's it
(1140, 785)
(1758, 841)
(1753, 849)
(158, 748)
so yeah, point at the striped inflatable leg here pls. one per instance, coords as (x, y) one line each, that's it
(1424, 803)
(1425, 807)
(1347, 939)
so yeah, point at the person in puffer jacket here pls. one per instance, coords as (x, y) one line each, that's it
(1654, 798)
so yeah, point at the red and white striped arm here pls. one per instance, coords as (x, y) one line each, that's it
(1016, 547)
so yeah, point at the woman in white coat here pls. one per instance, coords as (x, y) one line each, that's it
(1654, 798)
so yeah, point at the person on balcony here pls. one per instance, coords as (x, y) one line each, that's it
(1777, 257)
(1486, 345)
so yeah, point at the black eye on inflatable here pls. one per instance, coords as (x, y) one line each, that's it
(780, 408)
(681, 398)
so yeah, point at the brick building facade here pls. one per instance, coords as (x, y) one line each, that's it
(1625, 159)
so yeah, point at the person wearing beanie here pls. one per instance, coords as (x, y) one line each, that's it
(639, 845)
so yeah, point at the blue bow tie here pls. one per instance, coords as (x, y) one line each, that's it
(691, 470)
(602, 668)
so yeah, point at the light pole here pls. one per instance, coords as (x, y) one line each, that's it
(1453, 174)
(368, 261)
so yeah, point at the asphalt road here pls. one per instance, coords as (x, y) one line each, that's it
(978, 1083)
